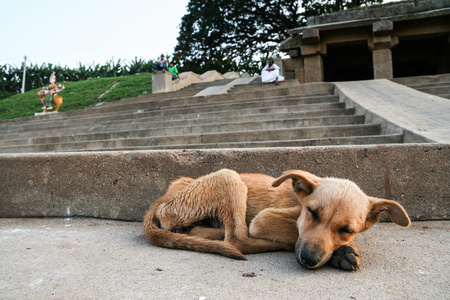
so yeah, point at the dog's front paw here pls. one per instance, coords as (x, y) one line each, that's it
(346, 258)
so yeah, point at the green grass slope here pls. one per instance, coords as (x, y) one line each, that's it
(78, 95)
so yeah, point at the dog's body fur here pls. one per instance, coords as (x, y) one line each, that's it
(316, 217)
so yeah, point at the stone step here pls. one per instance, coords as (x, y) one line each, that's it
(258, 86)
(275, 105)
(152, 102)
(209, 138)
(143, 106)
(435, 85)
(168, 129)
(253, 115)
(211, 103)
(437, 90)
(333, 141)
(121, 185)
(150, 97)
(430, 85)
(136, 105)
(174, 121)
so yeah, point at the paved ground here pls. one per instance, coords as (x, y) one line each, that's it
(102, 259)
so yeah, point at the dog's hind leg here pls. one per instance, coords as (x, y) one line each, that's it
(230, 201)
(222, 195)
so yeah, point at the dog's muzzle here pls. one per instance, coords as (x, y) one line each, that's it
(306, 258)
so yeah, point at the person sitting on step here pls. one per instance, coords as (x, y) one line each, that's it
(160, 64)
(271, 73)
(174, 71)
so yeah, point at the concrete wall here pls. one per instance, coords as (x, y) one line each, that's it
(121, 185)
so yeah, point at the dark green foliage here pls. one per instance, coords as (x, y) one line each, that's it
(322, 7)
(239, 35)
(38, 76)
(233, 35)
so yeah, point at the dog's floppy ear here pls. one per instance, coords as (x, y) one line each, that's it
(395, 211)
(302, 181)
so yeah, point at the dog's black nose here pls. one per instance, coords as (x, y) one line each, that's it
(308, 259)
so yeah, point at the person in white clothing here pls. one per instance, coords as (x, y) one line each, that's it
(271, 73)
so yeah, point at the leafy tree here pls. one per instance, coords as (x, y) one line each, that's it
(321, 7)
(38, 76)
(231, 35)
(238, 35)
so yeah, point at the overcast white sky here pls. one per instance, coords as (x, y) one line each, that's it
(67, 32)
(87, 31)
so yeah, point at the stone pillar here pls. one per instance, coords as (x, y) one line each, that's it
(161, 82)
(382, 64)
(279, 62)
(293, 66)
(380, 45)
(313, 70)
(312, 51)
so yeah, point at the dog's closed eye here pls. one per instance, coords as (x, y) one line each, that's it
(345, 230)
(313, 213)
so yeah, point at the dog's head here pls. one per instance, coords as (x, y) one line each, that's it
(333, 212)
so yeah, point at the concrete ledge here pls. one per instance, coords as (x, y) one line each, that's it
(161, 82)
(231, 75)
(186, 79)
(214, 90)
(223, 89)
(121, 185)
(212, 75)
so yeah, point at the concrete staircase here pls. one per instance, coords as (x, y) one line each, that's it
(441, 89)
(250, 116)
(435, 85)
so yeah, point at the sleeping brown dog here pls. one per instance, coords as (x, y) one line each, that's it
(235, 214)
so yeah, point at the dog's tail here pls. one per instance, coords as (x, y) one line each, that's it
(165, 238)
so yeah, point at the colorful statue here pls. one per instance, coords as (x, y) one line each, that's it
(50, 95)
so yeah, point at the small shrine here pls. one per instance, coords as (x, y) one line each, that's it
(49, 95)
